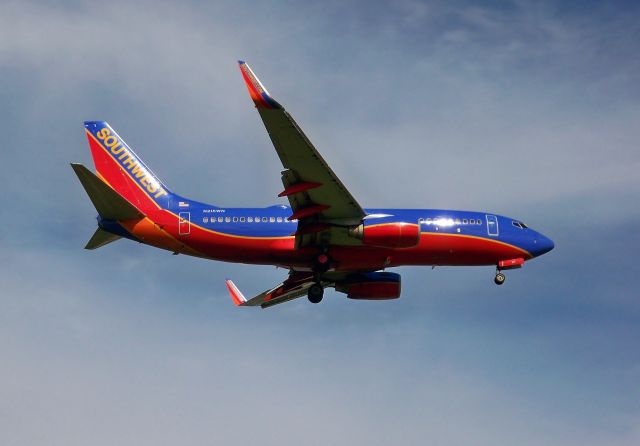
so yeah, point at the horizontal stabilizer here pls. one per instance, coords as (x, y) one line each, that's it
(101, 238)
(109, 204)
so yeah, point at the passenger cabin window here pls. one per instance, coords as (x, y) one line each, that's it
(227, 219)
(219, 219)
(465, 221)
(250, 219)
(242, 219)
(279, 219)
(205, 220)
(235, 219)
(429, 221)
(272, 219)
(257, 219)
(264, 219)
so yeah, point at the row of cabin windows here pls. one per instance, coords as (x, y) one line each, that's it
(450, 221)
(243, 219)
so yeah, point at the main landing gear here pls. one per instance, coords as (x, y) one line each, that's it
(321, 264)
(315, 293)
(500, 278)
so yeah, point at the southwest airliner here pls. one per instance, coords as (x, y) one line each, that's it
(324, 237)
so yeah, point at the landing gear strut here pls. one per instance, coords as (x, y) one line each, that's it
(322, 263)
(315, 293)
(500, 278)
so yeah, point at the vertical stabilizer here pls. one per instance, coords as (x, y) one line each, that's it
(123, 170)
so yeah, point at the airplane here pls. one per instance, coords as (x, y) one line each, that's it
(324, 237)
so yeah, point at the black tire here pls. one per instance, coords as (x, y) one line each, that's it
(499, 279)
(315, 293)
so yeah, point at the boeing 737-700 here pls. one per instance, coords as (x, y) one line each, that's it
(324, 237)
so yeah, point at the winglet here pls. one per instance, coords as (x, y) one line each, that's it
(237, 297)
(258, 93)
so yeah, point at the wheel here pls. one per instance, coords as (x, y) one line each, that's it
(500, 278)
(315, 293)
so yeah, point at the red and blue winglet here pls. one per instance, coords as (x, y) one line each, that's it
(237, 296)
(258, 93)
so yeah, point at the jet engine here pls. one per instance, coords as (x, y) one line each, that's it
(388, 235)
(371, 286)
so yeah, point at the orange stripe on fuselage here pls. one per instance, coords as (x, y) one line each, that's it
(150, 233)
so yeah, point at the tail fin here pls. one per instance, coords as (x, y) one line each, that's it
(119, 167)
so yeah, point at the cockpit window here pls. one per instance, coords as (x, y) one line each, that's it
(519, 224)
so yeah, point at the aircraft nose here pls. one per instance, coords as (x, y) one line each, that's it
(543, 244)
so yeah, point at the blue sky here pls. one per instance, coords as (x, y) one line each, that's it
(528, 109)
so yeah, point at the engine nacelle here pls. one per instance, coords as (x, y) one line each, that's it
(388, 235)
(371, 286)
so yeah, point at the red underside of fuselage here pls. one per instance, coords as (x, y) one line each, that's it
(433, 249)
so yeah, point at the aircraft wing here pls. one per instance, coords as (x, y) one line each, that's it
(295, 286)
(320, 202)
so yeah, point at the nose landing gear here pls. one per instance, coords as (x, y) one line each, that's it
(506, 264)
